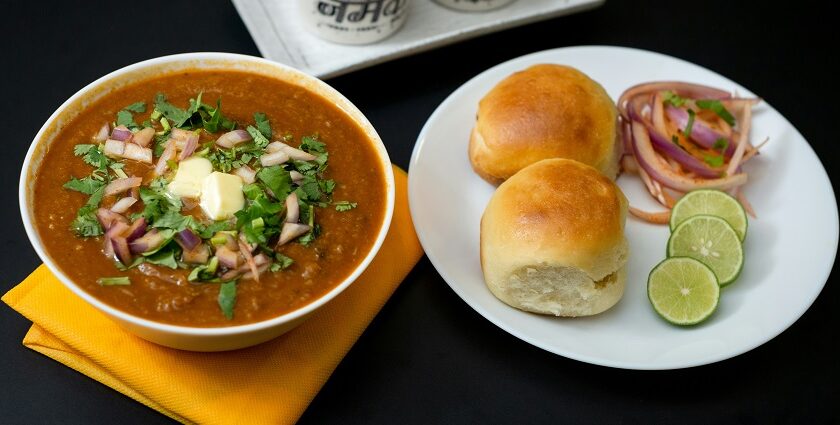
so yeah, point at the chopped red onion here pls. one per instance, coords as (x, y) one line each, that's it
(246, 173)
(167, 155)
(190, 144)
(151, 240)
(298, 154)
(123, 204)
(249, 259)
(233, 138)
(121, 249)
(296, 176)
(138, 153)
(144, 136)
(197, 255)
(274, 147)
(118, 228)
(136, 230)
(121, 185)
(114, 148)
(103, 133)
(677, 153)
(187, 239)
(701, 132)
(291, 231)
(274, 158)
(122, 133)
(228, 257)
(292, 208)
(260, 270)
(107, 218)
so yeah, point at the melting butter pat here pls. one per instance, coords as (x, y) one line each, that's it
(221, 195)
(189, 177)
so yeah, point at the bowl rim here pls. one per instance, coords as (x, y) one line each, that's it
(335, 97)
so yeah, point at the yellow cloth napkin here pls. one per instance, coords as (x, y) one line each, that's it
(271, 383)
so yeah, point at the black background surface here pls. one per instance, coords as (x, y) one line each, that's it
(428, 357)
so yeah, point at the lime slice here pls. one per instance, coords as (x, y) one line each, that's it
(711, 202)
(683, 290)
(713, 242)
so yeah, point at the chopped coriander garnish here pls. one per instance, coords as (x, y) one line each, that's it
(281, 262)
(227, 298)
(177, 115)
(262, 124)
(109, 281)
(675, 140)
(259, 139)
(689, 124)
(672, 98)
(206, 272)
(717, 107)
(721, 144)
(713, 160)
(87, 185)
(138, 107)
(344, 206)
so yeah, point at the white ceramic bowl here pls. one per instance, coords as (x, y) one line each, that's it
(183, 337)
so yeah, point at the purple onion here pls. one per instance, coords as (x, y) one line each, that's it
(107, 218)
(677, 153)
(137, 229)
(233, 138)
(227, 257)
(150, 241)
(187, 239)
(121, 249)
(121, 133)
(197, 255)
(701, 132)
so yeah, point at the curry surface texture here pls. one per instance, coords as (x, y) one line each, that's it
(165, 295)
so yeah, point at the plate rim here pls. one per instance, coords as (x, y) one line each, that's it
(772, 334)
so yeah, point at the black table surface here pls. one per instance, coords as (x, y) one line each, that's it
(428, 357)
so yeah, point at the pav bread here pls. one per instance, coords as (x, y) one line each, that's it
(545, 111)
(552, 240)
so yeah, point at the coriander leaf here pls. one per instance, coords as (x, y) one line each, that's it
(212, 123)
(309, 189)
(137, 261)
(172, 219)
(87, 185)
(277, 180)
(675, 140)
(717, 107)
(262, 124)
(209, 230)
(177, 115)
(259, 139)
(281, 262)
(194, 104)
(165, 257)
(157, 202)
(721, 144)
(125, 118)
(252, 191)
(342, 206)
(312, 145)
(206, 272)
(714, 161)
(136, 107)
(672, 98)
(82, 149)
(92, 155)
(108, 281)
(227, 298)
(86, 223)
(308, 238)
(327, 186)
(690, 124)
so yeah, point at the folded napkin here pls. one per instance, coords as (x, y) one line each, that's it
(270, 383)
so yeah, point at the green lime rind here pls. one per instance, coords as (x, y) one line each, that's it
(711, 202)
(713, 242)
(683, 291)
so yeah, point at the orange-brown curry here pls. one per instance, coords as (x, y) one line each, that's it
(165, 295)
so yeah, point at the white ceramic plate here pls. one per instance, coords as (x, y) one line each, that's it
(789, 249)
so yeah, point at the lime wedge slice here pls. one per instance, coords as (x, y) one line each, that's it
(713, 242)
(711, 202)
(683, 291)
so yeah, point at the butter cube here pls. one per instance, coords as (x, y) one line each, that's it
(189, 177)
(221, 195)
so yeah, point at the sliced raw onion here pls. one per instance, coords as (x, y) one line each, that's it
(654, 217)
(249, 259)
(123, 204)
(119, 228)
(260, 270)
(293, 153)
(246, 173)
(292, 208)
(138, 153)
(121, 185)
(274, 158)
(233, 138)
(701, 132)
(144, 136)
(684, 89)
(292, 231)
(148, 242)
(121, 249)
(122, 133)
(190, 143)
(646, 157)
(677, 153)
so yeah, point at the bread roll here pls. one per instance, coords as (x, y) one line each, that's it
(552, 240)
(545, 111)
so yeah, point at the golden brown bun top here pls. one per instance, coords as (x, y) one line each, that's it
(545, 111)
(558, 212)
